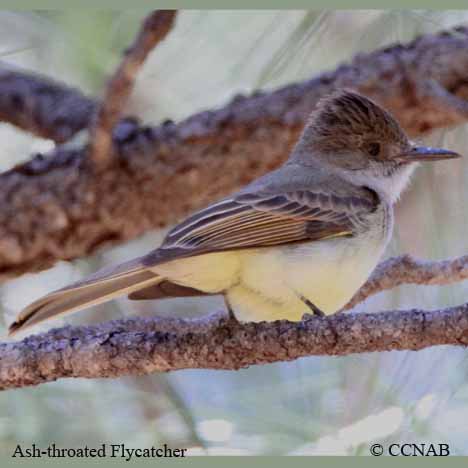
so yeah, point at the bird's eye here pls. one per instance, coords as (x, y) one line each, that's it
(374, 149)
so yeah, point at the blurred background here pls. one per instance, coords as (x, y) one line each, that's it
(316, 405)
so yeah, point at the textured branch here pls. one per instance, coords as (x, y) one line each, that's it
(142, 346)
(153, 30)
(41, 106)
(54, 207)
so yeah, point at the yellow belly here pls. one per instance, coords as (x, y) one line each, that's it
(211, 273)
(267, 283)
(326, 273)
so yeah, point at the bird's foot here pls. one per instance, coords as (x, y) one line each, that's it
(231, 317)
(316, 312)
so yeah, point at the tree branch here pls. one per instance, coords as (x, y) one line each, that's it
(406, 269)
(41, 106)
(154, 29)
(62, 210)
(142, 346)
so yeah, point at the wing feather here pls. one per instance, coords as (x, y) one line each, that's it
(260, 219)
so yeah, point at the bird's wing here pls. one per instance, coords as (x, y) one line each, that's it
(253, 220)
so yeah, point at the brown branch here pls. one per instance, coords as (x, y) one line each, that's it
(52, 110)
(54, 207)
(142, 346)
(408, 270)
(154, 29)
(41, 106)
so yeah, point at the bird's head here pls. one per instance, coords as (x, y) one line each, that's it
(353, 135)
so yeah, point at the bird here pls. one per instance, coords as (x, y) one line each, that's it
(300, 239)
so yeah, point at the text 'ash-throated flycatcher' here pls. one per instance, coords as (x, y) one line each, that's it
(302, 238)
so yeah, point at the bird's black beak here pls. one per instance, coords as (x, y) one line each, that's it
(426, 153)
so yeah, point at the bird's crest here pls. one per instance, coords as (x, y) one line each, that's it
(348, 119)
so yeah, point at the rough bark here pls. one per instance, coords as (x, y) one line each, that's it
(43, 106)
(141, 346)
(56, 207)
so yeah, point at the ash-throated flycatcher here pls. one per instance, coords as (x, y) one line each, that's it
(303, 237)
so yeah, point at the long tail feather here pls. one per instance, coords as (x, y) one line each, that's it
(101, 287)
(165, 290)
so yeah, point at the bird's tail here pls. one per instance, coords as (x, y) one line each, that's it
(100, 287)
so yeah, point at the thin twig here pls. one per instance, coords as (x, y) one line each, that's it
(154, 29)
(409, 270)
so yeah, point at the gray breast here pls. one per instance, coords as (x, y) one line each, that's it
(379, 224)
